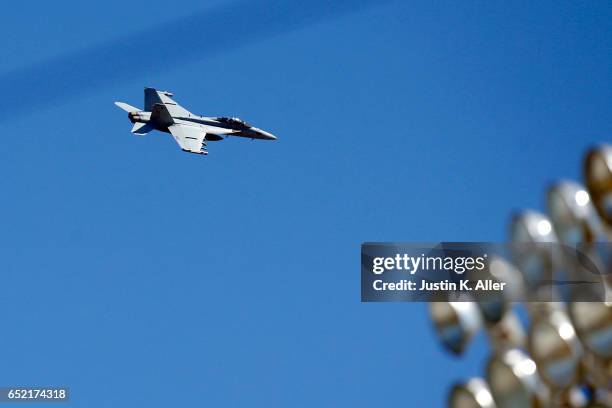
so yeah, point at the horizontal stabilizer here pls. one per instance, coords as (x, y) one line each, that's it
(126, 107)
(141, 128)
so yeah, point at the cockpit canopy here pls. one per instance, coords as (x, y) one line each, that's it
(233, 121)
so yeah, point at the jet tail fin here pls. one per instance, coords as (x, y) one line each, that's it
(141, 128)
(126, 107)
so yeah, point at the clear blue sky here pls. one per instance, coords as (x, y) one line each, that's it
(142, 276)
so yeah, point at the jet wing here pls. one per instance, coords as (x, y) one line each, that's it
(189, 138)
(153, 97)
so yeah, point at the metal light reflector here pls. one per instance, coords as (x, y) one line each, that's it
(455, 322)
(507, 333)
(532, 235)
(472, 394)
(598, 176)
(555, 348)
(531, 226)
(513, 380)
(572, 213)
(494, 305)
(593, 323)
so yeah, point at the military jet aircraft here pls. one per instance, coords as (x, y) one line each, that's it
(190, 131)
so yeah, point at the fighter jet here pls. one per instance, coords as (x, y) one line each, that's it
(190, 131)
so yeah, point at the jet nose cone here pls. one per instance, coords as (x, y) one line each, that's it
(262, 134)
(269, 136)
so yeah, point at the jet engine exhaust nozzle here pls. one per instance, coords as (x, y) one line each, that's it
(139, 117)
